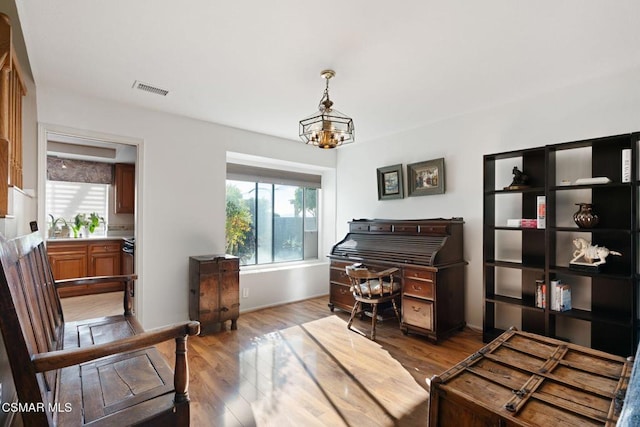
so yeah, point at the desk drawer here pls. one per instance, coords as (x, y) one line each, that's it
(418, 288)
(339, 276)
(405, 228)
(341, 295)
(341, 264)
(418, 313)
(414, 273)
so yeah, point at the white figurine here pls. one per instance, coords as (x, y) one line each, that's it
(591, 253)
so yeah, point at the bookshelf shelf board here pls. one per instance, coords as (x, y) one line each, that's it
(515, 265)
(588, 186)
(591, 230)
(504, 227)
(501, 299)
(569, 272)
(590, 316)
(521, 190)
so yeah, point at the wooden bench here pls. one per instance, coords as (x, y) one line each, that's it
(98, 372)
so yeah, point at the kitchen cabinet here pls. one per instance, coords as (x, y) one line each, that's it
(71, 259)
(104, 260)
(127, 261)
(68, 261)
(214, 294)
(125, 188)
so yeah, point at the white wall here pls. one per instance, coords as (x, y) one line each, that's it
(606, 106)
(181, 205)
(184, 171)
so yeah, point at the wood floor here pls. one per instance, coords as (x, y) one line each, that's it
(236, 377)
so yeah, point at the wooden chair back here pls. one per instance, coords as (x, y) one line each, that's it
(371, 287)
(31, 319)
(367, 284)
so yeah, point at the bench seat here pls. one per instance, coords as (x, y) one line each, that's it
(97, 372)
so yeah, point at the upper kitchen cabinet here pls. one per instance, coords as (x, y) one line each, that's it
(125, 186)
(12, 89)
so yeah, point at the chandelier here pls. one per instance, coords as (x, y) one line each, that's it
(328, 127)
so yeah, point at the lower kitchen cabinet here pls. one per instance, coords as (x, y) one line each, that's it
(71, 259)
(104, 260)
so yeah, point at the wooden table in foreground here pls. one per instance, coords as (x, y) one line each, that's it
(523, 379)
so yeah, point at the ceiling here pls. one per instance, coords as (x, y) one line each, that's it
(256, 64)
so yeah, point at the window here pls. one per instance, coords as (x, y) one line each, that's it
(270, 222)
(66, 199)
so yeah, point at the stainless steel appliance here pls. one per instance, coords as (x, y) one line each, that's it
(128, 258)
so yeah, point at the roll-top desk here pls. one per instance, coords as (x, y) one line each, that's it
(429, 254)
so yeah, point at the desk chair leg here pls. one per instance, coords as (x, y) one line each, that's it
(395, 308)
(373, 322)
(353, 313)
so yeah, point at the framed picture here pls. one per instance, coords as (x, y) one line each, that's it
(426, 178)
(390, 182)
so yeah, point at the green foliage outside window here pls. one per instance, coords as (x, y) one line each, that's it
(261, 229)
(239, 223)
(310, 201)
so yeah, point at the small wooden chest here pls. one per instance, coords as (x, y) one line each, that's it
(523, 379)
(214, 291)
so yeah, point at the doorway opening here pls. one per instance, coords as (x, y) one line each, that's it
(83, 191)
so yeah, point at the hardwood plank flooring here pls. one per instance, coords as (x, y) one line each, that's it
(237, 377)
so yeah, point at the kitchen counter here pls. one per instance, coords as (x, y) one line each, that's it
(87, 239)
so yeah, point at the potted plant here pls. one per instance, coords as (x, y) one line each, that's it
(90, 222)
(94, 222)
(54, 231)
(79, 221)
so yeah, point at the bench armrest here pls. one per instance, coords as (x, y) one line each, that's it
(127, 279)
(77, 281)
(63, 358)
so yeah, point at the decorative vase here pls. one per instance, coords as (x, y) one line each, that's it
(585, 217)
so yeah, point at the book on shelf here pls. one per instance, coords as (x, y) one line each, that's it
(560, 296)
(541, 210)
(541, 294)
(565, 298)
(626, 165)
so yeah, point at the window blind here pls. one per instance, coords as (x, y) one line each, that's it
(240, 172)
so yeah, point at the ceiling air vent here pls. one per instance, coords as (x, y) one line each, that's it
(150, 88)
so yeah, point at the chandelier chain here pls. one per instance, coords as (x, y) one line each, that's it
(325, 102)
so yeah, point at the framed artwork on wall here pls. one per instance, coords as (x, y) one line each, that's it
(426, 178)
(390, 182)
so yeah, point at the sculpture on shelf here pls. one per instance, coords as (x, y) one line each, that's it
(592, 255)
(519, 180)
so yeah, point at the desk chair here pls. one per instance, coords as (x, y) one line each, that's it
(372, 287)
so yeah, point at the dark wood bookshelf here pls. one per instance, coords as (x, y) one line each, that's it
(612, 292)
